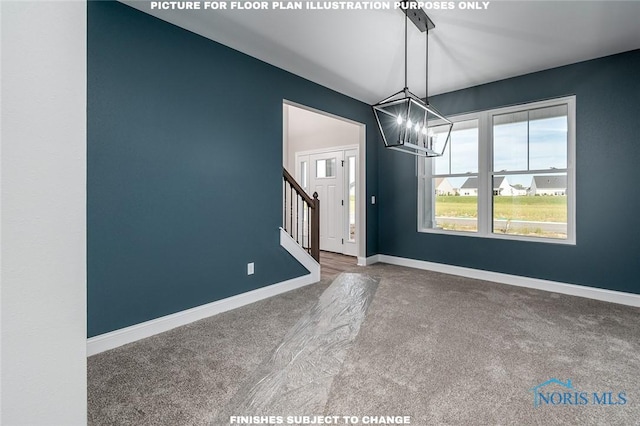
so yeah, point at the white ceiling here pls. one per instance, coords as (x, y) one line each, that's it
(303, 124)
(360, 53)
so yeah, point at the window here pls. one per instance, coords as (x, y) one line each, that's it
(326, 168)
(351, 169)
(451, 180)
(507, 173)
(304, 179)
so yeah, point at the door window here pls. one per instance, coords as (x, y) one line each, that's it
(326, 168)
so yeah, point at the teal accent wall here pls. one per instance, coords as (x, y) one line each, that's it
(184, 172)
(184, 167)
(607, 171)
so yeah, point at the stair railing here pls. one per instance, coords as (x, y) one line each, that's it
(301, 215)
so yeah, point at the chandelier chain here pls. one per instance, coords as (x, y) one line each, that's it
(426, 86)
(405, 51)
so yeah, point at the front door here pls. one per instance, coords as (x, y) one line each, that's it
(327, 179)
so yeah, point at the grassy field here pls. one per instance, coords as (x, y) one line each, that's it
(535, 209)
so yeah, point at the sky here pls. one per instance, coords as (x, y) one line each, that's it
(545, 148)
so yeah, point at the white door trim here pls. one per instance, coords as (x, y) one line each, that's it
(361, 191)
(328, 149)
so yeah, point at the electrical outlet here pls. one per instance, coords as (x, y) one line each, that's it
(250, 268)
(373, 199)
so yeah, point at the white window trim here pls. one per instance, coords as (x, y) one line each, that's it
(485, 174)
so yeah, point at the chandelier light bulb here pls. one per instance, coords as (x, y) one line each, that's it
(417, 127)
(399, 119)
(409, 124)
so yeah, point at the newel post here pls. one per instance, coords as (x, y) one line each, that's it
(315, 228)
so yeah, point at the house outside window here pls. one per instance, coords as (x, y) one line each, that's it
(507, 173)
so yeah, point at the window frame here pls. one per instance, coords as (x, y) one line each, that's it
(486, 173)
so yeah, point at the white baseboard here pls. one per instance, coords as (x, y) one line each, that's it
(612, 296)
(364, 261)
(135, 332)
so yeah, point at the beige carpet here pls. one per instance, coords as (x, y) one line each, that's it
(438, 348)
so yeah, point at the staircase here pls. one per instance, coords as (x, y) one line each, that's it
(301, 215)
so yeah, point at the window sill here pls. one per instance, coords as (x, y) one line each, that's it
(493, 236)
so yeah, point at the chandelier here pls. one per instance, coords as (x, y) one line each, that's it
(406, 122)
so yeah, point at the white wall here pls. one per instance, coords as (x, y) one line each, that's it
(307, 130)
(43, 225)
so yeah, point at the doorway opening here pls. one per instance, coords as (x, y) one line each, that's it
(326, 154)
